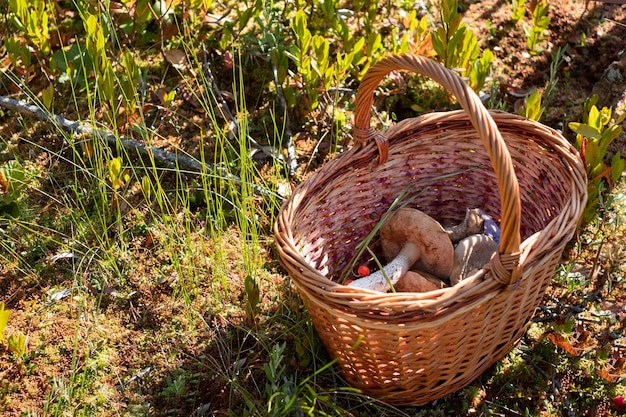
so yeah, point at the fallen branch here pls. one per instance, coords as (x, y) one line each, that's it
(161, 156)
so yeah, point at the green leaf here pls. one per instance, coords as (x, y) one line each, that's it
(290, 96)
(17, 344)
(532, 109)
(11, 209)
(437, 40)
(585, 130)
(146, 186)
(480, 70)
(374, 42)
(617, 167)
(451, 56)
(13, 180)
(329, 76)
(244, 18)
(115, 167)
(303, 35)
(117, 177)
(313, 96)
(608, 136)
(91, 24)
(106, 82)
(594, 159)
(519, 9)
(605, 116)
(19, 7)
(14, 49)
(594, 118)
(47, 96)
(321, 49)
(4, 319)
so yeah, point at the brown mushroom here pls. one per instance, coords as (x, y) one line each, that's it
(412, 239)
(470, 254)
(418, 281)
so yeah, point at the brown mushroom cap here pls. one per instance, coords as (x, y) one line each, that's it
(413, 226)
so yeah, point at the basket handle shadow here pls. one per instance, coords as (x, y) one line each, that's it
(505, 263)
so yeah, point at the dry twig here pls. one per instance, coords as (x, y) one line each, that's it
(171, 160)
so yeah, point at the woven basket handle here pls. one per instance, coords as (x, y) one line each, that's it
(505, 265)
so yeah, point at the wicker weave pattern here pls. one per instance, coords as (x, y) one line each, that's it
(411, 348)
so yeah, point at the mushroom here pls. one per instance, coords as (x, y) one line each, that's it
(471, 225)
(470, 254)
(412, 239)
(420, 281)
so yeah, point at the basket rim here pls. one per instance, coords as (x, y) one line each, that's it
(318, 287)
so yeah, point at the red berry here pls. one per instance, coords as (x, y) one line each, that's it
(619, 401)
(363, 270)
(348, 282)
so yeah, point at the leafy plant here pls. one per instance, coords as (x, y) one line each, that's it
(13, 181)
(310, 54)
(16, 342)
(288, 396)
(593, 137)
(532, 108)
(31, 18)
(536, 103)
(252, 300)
(457, 46)
(18, 52)
(535, 33)
(97, 49)
(519, 10)
(4, 319)
(279, 392)
(118, 176)
(416, 37)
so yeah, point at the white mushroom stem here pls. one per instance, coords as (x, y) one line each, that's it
(392, 272)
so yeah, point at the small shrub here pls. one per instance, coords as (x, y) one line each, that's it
(457, 47)
(536, 31)
(31, 18)
(13, 180)
(519, 10)
(16, 342)
(593, 137)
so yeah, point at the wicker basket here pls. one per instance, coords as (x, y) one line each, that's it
(412, 348)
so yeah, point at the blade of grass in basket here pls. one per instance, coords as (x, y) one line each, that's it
(396, 204)
(364, 245)
(381, 268)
